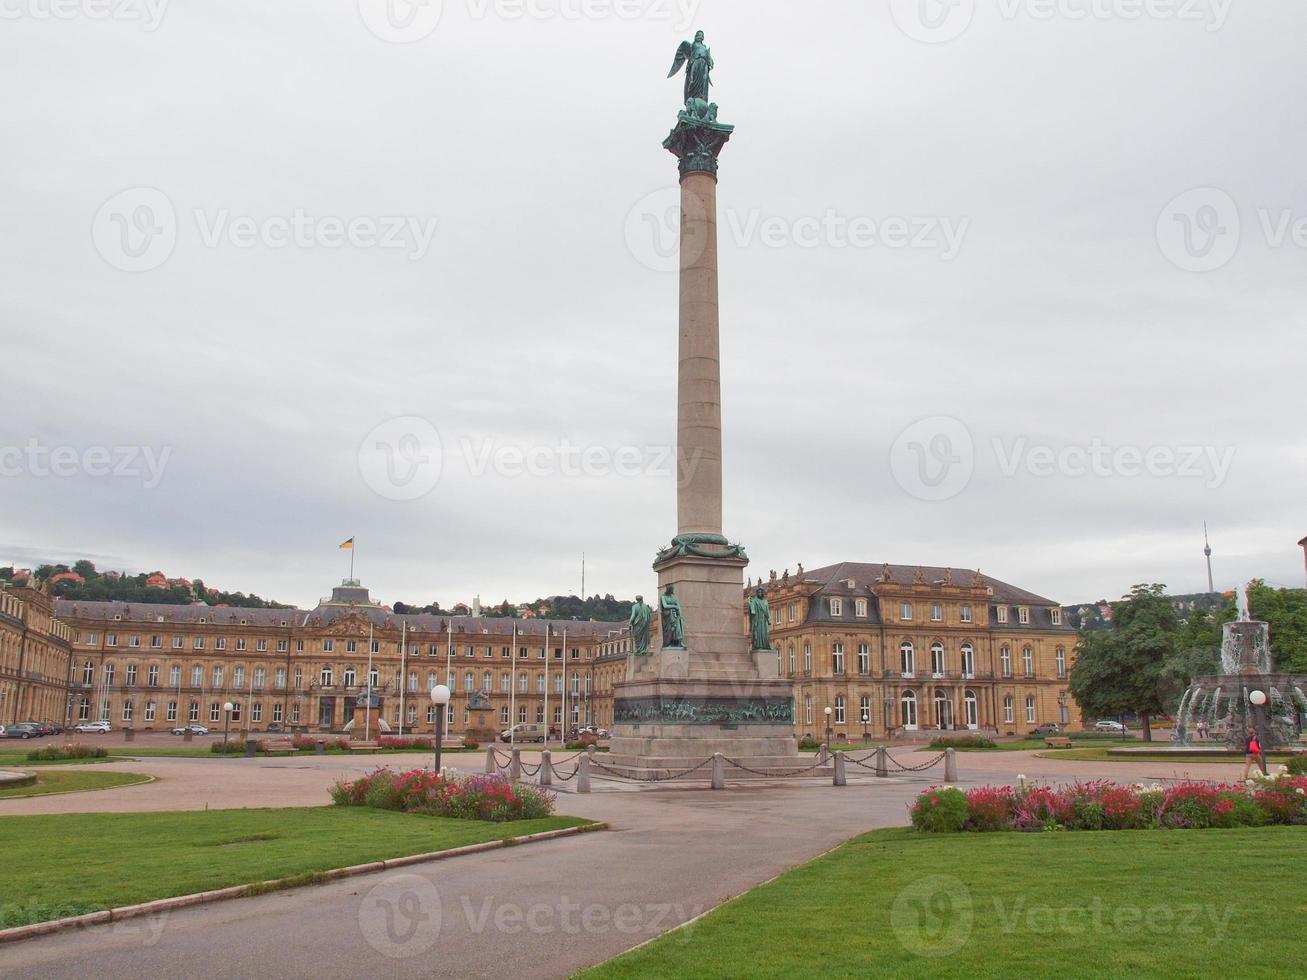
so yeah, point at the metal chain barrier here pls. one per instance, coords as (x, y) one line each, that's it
(652, 779)
(775, 772)
(925, 765)
(528, 770)
(572, 775)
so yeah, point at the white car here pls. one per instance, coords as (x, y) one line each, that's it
(192, 728)
(1109, 726)
(94, 728)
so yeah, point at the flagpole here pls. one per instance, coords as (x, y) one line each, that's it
(351, 560)
(546, 653)
(449, 667)
(563, 726)
(403, 681)
(512, 689)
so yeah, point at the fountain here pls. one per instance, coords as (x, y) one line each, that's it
(1246, 692)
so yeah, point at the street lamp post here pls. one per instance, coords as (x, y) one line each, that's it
(828, 713)
(226, 723)
(440, 698)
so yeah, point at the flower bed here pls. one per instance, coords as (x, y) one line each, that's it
(73, 750)
(445, 794)
(1104, 805)
(396, 742)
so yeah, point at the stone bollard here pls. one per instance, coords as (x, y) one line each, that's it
(718, 771)
(546, 768)
(583, 774)
(321, 747)
(129, 734)
(841, 776)
(490, 760)
(882, 767)
(515, 767)
(250, 747)
(950, 765)
(188, 735)
(591, 749)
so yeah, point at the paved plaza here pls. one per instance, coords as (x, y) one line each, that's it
(681, 850)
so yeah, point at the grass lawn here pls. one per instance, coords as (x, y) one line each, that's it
(69, 782)
(130, 752)
(1102, 755)
(896, 903)
(68, 864)
(18, 760)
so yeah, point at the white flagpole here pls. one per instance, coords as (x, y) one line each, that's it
(367, 708)
(563, 726)
(403, 680)
(449, 664)
(546, 653)
(512, 689)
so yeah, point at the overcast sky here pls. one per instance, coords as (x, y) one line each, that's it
(1016, 285)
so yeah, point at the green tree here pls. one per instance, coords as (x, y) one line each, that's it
(84, 568)
(1123, 670)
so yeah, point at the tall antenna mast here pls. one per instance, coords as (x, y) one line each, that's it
(1207, 550)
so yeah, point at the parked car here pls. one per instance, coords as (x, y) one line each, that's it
(1107, 725)
(274, 728)
(192, 728)
(94, 728)
(527, 732)
(24, 729)
(45, 728)
(1047, 728)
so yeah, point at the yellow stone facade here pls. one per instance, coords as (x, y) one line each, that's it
(35, 651)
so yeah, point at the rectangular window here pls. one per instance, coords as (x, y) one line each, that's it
(193, 712)
(215, 712)
(149, 710)
(176, 642)
(197, 676)
(152, 675)
(1001, 614)
(260, 676)
(238, 677)
(217, 677)
(135, 641)
(905, 611)
(837, 658)
(127, 710)
(156, 641)
(199, 643)
(1023, 615)
(262, 646)
(220, 643)
(936, 613)
(860, 608)
(964, 614)
(279, 678)
(172, 710)
(864, 709)
(256, 711)
(839, 711)
(111, 639)
(1056, 615)
(276, 712)
(864, 659)
(1030, 710)
(175, 675)
(793, 611)
(240, 643)
(295, 713)
(131, 675)
(836, 606)
(281, 646)
(327, 646)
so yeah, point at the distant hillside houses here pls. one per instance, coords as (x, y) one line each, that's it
(1098, 615)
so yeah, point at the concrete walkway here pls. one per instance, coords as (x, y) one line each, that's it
(545, 910)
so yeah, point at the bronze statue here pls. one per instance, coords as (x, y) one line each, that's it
(641, 614)
(672, 624)
(760, 620)
(697, 58)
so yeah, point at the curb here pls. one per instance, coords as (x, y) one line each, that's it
(277, 884)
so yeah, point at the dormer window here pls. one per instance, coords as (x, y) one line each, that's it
(1001, 614)
(836, 606)
(1023, 615)
(1057, 616)
(850, 583)
(860, 608)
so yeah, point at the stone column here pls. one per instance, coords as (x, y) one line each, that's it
(699, 397)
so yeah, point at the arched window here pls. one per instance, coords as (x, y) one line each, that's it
(943, 711)
(487, 682)
(374, 678)
(908, 706)
(837, 658)
(839, 709)
(1030, 708)
(88, 672)
(1007, 709)
(325, 676)
(793, 664)
(907, 659)
(937, 666)
(469, 682)
(1005, 662)
(506, 682)
(968, 660)
(864, 659)
(972, 709)
(1061, 662)
(1028, 661)
(350, 677)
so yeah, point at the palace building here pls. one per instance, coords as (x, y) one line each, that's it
(35, 652)
(154, 667)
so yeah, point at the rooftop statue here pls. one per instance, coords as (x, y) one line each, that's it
(697, 58)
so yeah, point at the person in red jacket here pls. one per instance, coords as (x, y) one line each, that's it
(1252, 752)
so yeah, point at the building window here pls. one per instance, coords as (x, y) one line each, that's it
(135, 641)
(111, 639)
(1063, 713)
(84, 709)
(864, 709)
(860, 608)
(299, 678)
(1030, 708)
(88, 672)
(127, 710)
(905, 611)
(325, 676)
(238, 676)
(937, 665)
(1023, 615)
(506, 682)
(260, 676)
(807, 709)
(1001, 614)
(176, 642)
(968, 660)
(936, 613)
(836, 606)
(807, 659)
(1005, 661)
(156, 641)
(240, 643)
(199, 643)
(281, 646)
(351, 646)
(1028, 661)
(350, 677)
(908, 712)
(131, 675)
(279, 678)
(256, 711)
(792, 612)
(261, 646)
(793, 664)
(1061, 662)
(964, 614)
(374, 678)
(839, 709)
(108, 675)
(522, 681)
(276, 712)
(193, 712)
(413, 680)
(295, 713)
(864, 659)
(215, 712)
(1056, 616)
(220, 643)
(152, 675)
(907, 659)
(503, 715)
(197, 676)
(1007, 709)
(172, 710)
(327, 646)
(837, 658)
(175, 675)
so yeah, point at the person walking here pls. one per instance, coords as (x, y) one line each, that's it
(1252, 749)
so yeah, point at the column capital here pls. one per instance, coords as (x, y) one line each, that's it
(698, 138)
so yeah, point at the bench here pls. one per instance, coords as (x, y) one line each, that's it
(364, 746)
(271, 745)
(1058, 743)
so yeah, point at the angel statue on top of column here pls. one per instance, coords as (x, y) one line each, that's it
(697, 58)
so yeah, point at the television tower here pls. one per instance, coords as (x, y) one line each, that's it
(1207, 550)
